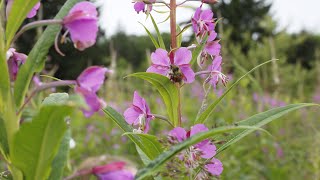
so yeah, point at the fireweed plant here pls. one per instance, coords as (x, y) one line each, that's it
(36, 148)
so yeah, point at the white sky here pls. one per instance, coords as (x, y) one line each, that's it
(294, 15)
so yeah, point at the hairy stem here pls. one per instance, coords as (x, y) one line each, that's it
(34, 25)
(173, 23)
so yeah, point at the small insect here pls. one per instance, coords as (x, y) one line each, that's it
(175, 74)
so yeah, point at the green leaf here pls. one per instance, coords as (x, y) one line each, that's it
(18, 13)
(61, 158)
(56, 99)
(4, 146)
(167, 90)
(179, 37)
(37, 56)
(196, 52)
(153, 166)
(160, 39)
(37, 142)
(259, 120)
(206, 113)
(146, 143)
(154, 41)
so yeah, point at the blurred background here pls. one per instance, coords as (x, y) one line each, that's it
(251, 32)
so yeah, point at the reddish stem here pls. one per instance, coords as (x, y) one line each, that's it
(173, 23)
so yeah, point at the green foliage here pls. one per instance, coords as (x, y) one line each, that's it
(153, 166)
(154, 41)
(37, 56)
(60, 161)
(18, 12)
(4, 146)
(37, 142)
(198, 50)
(259, 120)
(147, 144)
(160, 39)
(168, 91)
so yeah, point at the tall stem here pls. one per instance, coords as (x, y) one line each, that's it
(173, 23)
(173, 29)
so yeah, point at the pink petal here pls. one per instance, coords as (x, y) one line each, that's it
(163, 70)
(83, 33)
(206, 15)
(182, 56)
(208, 150)
(139, 102)
(34, 10)
(115, 175)
(213, 48)
(131, 115)
(188, 73)
(160, 58)
(216, 64)
(85, 6)
(215, 167)
(115, 166)
(92, 78)
(212, 36)
(197, 129)
(91, 99)
(196, 15)
(178, 133)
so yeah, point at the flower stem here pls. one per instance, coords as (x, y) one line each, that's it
(34, 25)
(173, 23)
(44, 87)
(162, 118)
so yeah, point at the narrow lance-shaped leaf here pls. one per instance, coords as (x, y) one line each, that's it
(206, 113)
(160, 39)
(37, 56)
(167, 90)
(18, 12)
(147, 143)
(259, 120)
(154, 41)
(154, 165)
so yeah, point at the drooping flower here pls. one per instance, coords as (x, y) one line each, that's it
(139, 114)
(197, 154)
(82, 23)
(88, 84)
(215, 72)
(113, 171)
(140, 5)
(14, 60)
(176, 67)
(31, 14)
(202, 21)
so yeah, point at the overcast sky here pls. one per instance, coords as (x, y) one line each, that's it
(294, 15)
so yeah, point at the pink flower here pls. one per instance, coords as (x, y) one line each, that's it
(139, 113)
(31, 14)
(176, 67)
(14, 60)
(89, 82)
(202, 21)
(140, 5)
(215, 72)
(112, 171)
(214, 167)
(212, 46)
(82, 23)
(205, 147)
